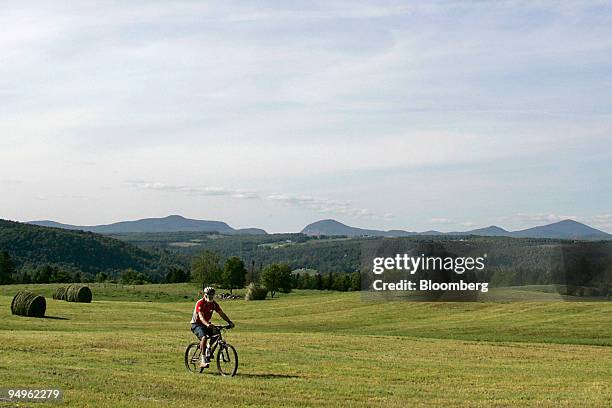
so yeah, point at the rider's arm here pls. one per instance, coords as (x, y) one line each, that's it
(224, 316)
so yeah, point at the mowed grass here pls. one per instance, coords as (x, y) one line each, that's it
(316, 349)
(117, 291)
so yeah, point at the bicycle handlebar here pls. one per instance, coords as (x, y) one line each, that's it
(227, 327)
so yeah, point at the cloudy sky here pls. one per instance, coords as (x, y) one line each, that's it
(415, 115)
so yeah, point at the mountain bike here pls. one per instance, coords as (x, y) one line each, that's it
(227, 357)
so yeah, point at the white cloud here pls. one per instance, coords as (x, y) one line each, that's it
(320, 205)
(259, 95)
(449, 223)
(195, 190)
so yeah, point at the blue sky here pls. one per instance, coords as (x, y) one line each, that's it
(441, 115)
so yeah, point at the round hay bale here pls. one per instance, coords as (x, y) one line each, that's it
(28, 304)
(78, 293)
(70, 293)
(60, 293)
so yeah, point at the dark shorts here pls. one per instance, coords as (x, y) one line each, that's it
(200, 331)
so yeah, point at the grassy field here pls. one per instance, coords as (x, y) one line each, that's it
(312, 349)
(115, 291)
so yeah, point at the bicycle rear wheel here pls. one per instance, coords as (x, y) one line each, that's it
(227, 360)
(192, 358)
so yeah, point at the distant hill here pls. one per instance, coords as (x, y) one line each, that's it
(250, 231)
(333, 227)
(492, 231)
(171, 223)
(567, 229)
(53, 224)
(431, 232)
(85, 251)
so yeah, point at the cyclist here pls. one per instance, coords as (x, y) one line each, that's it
(201, 324)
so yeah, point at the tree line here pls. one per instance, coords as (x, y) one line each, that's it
(45, 273)
(276, 277)
(206, 268)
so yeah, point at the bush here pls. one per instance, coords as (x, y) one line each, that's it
(28, 304)
(101, 277)
(256, 292)
(355, 281)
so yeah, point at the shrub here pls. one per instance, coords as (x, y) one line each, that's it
(256, 292)
(355, 282)
(28, 304)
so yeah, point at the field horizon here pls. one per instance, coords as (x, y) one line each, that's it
(313, 348)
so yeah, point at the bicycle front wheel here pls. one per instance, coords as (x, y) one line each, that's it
(192, 358)
(227, 360)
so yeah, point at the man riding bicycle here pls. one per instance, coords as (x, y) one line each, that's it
(201, 324)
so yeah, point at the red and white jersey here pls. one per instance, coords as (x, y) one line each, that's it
(207, 309)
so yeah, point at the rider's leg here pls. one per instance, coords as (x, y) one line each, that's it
(203, 359)
(203, 344)
(207, 349)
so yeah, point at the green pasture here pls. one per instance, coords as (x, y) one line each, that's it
(312, 348)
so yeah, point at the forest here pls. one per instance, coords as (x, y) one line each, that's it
(158, 257)
(33, 250)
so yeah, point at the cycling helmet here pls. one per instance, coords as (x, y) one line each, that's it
(209, 291)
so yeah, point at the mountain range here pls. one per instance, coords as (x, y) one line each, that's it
(566, 229)
(171, 223)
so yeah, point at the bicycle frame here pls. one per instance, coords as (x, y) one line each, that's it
(216, 340)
